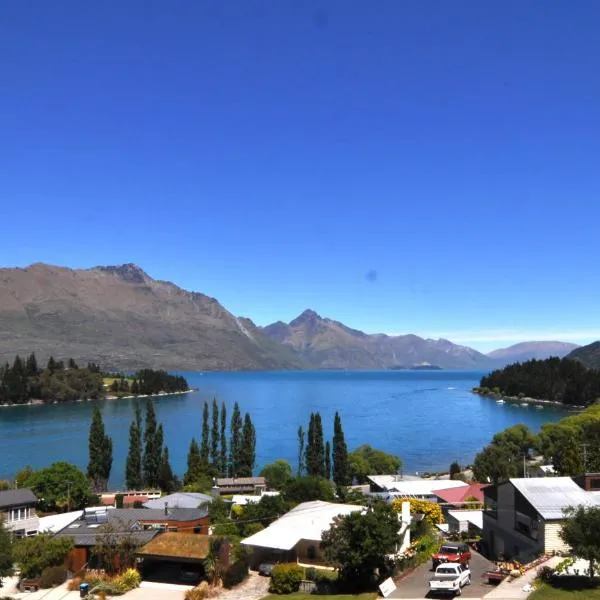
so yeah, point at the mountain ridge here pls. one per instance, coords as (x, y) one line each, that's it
(589, 355)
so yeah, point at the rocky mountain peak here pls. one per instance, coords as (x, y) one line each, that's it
(128, 272)
(307, 317)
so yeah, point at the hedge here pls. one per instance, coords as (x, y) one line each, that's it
(286, 578)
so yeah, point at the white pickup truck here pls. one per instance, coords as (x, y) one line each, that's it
(450, 578)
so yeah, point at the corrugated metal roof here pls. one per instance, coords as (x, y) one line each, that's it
(179, 500)
(305, 522)
(551, 495)
(474, 517)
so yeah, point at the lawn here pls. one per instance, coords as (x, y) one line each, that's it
(300, 596)
(548, 592)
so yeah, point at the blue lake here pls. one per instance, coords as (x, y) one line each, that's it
(429, 418)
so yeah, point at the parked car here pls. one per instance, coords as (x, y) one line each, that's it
(455, 553)
(265, 569)
(450, 578)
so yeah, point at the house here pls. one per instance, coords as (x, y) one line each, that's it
(17, 510)
(544, 471)
(522, 517)
(461, 496)
(238, 485)
(296, 536)
(398, 486)
(243, 499)
(179, 500)
(469, 522)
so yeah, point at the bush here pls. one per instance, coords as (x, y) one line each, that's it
(52, 576)
(236, 573)
(286, 578)
(197, 593)
(128, 580)
(73, 585)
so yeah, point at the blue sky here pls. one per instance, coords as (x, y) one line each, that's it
(427, 167)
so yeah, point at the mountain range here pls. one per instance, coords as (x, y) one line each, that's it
(122, 318)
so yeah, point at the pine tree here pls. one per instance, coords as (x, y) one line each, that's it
(301, 436)
(214, 435)
(133, 466)
(32, 366)
(72, 364)
(194, 463)
(247, 448)
(51, 365)
(236, 440)
(100, 454)
(327, 460)
(223, 435)
(204, 448)
(135, 387)
(341, 475)
(152, 447)
(167, 481)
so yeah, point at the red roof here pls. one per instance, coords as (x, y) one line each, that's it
(107, 500)
(458, 494)
(132, 499)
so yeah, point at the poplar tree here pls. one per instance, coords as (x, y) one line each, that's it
(235, 442)
(152, 447)
(341, 471)
(194, 464)
(315, 451)
(327, 460)
(133, 466)
(223, 435)
(100, 454)
(301, 436)
(167, 481)
(204, 444)
(247, 448)
(214, 435)
(32, 366)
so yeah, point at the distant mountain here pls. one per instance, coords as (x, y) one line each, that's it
(329, 344)
(528, 350)
(588, 355)
(122, 318)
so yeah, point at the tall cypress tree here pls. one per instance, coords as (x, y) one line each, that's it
(32, 366)
(315, 450)
(167, 481)
(204, 447)
(133, 466)
(100, 454)
(152, 447)
(236, 441)
(301, 436)
(309, 460)
(340, 454)
(194, 463)
(223, 435)
(214, 435)
(327, 460)
(248, 448)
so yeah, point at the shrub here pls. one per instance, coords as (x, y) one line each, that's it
(197, 593)
(286, 578)
(128, 580)
(236, 573)
(73, 585)
(52, 576)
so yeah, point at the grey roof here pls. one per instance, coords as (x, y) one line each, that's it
(240, 481)
(155, 514)
(551, 495)
(10, 498)
(179, 500)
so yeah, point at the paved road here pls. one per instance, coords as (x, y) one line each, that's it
(416, 584)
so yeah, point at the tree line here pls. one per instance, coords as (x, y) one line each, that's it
(557, 379)
(148, 381)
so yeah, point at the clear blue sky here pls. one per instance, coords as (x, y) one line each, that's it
(273, 154)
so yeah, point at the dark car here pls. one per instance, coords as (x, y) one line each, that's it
(454, 553)
(265, 569)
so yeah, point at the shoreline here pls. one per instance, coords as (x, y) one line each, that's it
(37, 402)
(525, 400)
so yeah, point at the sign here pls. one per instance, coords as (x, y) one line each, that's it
(387, 587)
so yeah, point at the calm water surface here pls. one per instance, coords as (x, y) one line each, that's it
(427, 418)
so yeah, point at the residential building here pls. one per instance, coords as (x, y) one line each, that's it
(461, 497)
(180, 500)
(522, 517)
(238, 485)
(468, 522)
(390, 487)
(17, 510)
(243, 499)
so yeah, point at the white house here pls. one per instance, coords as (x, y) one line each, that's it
(398, 486)
(17, 510)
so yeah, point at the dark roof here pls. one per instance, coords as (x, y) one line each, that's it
(10, 498)
(240, 481)
(157, 514)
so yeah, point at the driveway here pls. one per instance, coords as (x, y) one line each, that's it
(416, 584)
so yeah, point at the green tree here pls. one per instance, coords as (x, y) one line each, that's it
(327, 460)
(204, 447)
(214, 435)
(358, 544)
(366, 460)
(301, 455)
(133, 465)
(340, 471)
(277, 474)
(72, 364)
(22, 476)
(166, 479)
(116, 546)
(306, 489)
(496, 464)
(34, 554)
(100, 453)
(581, 531)
(51, 364)
(59, 487)
(247, 448)
(235, 443)
(315, 449)
(6, 552)
(152, 447)
(454, 470)
(223, 435)
(195, 467)
(114, 386)
(32, 366)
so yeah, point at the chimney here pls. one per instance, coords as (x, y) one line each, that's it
(406, 512)
(214, 491)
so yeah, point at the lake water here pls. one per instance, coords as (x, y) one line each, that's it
(429, 418)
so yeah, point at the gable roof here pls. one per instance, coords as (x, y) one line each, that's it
(459, 494)
(551, 495)
(240, 481)
(305, 522)
(414, 487)
(179, 500)
(10, 498)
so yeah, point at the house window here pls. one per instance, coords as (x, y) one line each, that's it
(526, 525)
(311, 553)
(594, 483)
(491, 507)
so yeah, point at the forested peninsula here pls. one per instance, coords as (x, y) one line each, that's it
(559, 380)
(26, 382)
